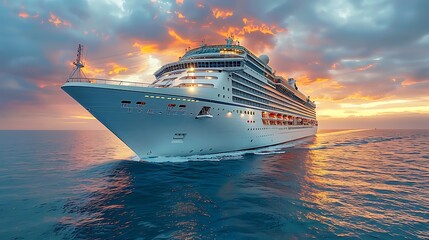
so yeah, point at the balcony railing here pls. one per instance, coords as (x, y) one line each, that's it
(108, 81)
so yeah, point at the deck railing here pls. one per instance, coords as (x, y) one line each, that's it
(108, 81)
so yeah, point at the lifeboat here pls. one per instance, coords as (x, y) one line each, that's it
(265, 115)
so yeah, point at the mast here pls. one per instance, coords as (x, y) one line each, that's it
(78, 62)
(77, 70)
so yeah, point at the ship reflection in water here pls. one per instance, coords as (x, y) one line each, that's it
(367, 184)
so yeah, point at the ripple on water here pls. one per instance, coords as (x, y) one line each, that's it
(366, 184)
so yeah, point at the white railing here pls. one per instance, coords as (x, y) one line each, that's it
(108, 81)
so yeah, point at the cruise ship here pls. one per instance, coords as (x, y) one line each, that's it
(214, 99)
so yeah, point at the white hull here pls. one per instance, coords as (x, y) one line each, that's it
(154, 130)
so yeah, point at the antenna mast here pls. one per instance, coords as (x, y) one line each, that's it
(79, 64)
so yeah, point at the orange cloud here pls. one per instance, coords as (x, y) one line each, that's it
(178, 38)
(365, 67)
(57, 21)
(44, 85)
(250, 27)
(26, 15)
(360, 96)
(179, 2)
(305, 79)
(149, 48)
(116, 68)
(23, 15)
(406, 82)
(180, 15)
(219, 13)
(90, 71)
(229, 31)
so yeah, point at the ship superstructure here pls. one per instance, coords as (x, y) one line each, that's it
(216, 98)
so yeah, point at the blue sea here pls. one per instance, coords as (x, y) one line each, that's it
(371, 184)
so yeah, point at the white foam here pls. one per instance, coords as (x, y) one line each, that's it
(206, 157)
(269, 153)
(277, 149)
(135, 158)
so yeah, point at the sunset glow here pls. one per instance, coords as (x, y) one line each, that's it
(219, 13)
(356, 64)
(57, 21)
(23, 15)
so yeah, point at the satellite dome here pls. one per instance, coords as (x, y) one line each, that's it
(264, 58)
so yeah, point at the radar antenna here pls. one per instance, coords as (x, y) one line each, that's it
(79, 65)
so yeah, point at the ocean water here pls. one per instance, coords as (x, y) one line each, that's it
(370, 184)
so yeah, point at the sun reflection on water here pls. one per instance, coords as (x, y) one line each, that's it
(352, 184)
(341, 181)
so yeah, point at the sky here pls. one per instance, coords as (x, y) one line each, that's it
(365, 63)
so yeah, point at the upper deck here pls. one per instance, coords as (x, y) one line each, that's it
(224, 51)
(210, 66)
(217, 53)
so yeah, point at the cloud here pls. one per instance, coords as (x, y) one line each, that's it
(219, 13)
(344, 53)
